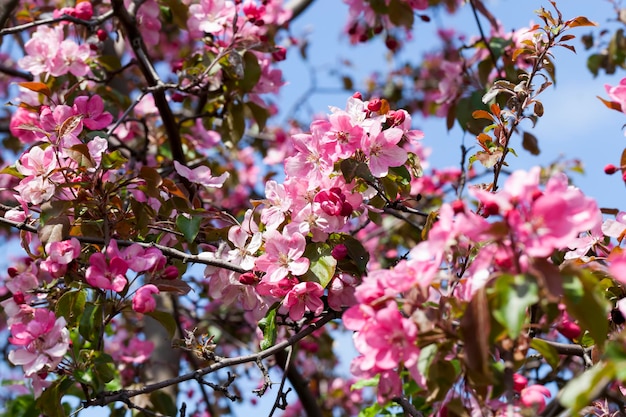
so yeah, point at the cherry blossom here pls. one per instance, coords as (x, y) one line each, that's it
(303, 297)
(43, 341)
(106, 276)
(143, 300)
(201, 175)
(283, 255)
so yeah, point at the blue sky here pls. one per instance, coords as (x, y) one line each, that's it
(575, 125)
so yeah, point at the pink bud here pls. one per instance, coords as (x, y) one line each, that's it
(569, 329)
(610, 169)
(490, 208)
(458, 206)
(171, 273)
(374, 104)
(12, 271)
(279, 54)
(102, 35)
(339, 252)
(357, 95)
(178, 97)
(83, 10)
(19, 298)
(519, 382)
(248, 278)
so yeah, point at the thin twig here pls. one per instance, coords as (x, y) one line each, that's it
(111, 397)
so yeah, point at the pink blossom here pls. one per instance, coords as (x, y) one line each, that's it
(201, 175)
(244, 252)
(387, 340)
(535, 396)
(24, 125)
(60, 254)
(37, 161)
(305, 296)
(333, 202)
(618, 93)
(283, 255)
(210, 16)
(278, 202)
(35, 190)
(43, 342)
(111, 276)
(381, 148)
(92, 110)
(143, 301)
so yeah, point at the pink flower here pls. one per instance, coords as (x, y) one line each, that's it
(535, 397)
(387, 339)
(21, 121)
(333, 202)
(35, 190)
(92, 110)
(618, 93)
(43, 342)
(210, 16)
(111, 276)
(201, 175)
(305, 296)
(143, 301)
(60, 254)
(283, 255)
(37, 161)
(381, 148)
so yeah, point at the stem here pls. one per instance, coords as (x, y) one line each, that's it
(123, 395)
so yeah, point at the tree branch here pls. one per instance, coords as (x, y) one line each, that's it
(152, 78)
(297, 7)
(300, 385)
(65, 18)
(205, 258)
(6, 9)
(123, 395)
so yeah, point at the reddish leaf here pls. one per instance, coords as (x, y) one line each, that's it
(530, 143)
(611, 104)
(580, 21)
(476, 327)
(482, 114)
(37, 87)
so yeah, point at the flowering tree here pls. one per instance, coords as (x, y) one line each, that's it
(180, 253)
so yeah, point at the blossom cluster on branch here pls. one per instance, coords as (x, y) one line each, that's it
(138, 128)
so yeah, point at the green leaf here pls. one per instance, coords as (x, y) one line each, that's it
(586, 303)
(179, 12)
(427, 355)
(88, 325)
(23, 406)
(54, 230)
(268, 326)
(548, 352)
(357, 253)
(252, 72)
(323, 265)
(234, 124)
(371, 411)
(71, 305)
(512, 295)
(163, 403)
(580, 391)
(259, 114)
(189, 226)
(166, 320)
(362, 383)
(110, 63)
(50, 400)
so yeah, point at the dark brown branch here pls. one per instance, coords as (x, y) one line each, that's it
(205, 258)
(297, 7)
(408, 408)
(477, 4)
(221, 363)
(135, 39)
(6, 9)
(65, 18)
(300, 385)
(14, 72)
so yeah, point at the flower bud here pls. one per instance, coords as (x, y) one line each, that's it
(339, 252)
(610, 169)
(248, 278)
(374, 104)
